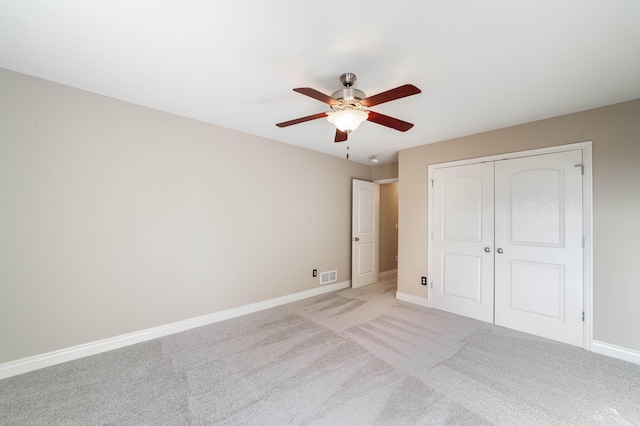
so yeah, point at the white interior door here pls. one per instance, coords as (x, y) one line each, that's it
(365, 225)
(538, 240)
(462, 249)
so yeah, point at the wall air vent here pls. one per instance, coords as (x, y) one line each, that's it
(328, 277)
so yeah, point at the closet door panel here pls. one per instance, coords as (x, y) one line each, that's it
(538, 239)
(462, 228)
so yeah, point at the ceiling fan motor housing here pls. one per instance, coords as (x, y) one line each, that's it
(348, 94)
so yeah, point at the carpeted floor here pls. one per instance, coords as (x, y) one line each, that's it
(352, 357)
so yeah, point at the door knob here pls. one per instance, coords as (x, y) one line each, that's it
(487, 249)
(355, 239)
(500, 251)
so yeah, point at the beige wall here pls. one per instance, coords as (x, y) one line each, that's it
(388, 231)
(385, 171)
(116, 218)
(615, 132)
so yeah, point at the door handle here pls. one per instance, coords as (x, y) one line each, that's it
(355, 239)
(487, 249)
(500, 251)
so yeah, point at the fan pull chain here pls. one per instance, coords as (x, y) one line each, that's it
(347, 152)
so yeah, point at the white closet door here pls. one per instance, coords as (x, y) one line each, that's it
(462, 272)
(538, 242)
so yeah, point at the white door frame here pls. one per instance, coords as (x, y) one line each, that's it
(587, 212)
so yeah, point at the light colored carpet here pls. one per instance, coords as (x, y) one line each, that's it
(352, 357)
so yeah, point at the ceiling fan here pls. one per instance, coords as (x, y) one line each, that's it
(348, 107)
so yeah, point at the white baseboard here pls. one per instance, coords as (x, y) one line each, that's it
(412, 299)
(24, 365)
(614, 351)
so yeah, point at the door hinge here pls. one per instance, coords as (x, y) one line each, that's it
(431, 285)
(581, 168)
(583, 316)
(432, 183)
(582, 242)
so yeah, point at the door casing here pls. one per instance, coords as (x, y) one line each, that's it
(587, 213)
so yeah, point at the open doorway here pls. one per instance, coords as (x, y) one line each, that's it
(388, 260)
(374, 252)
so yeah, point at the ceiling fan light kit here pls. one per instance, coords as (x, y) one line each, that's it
(347, 120)
(348, 107)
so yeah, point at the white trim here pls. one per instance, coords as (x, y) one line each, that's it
(24, 365)
(386, 275)
(587, 212)
(511, 155)
(412, 299)
(587, 225)
(385, 181)
(614, 351)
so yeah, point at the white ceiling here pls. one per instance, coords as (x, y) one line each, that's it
(481, 65)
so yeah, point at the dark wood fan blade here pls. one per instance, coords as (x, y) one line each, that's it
(302, 119)
(340, 136)
(313, 93)
(385, 120)
(391, 95)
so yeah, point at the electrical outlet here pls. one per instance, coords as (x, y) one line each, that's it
(315, 273)
(423, 280)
